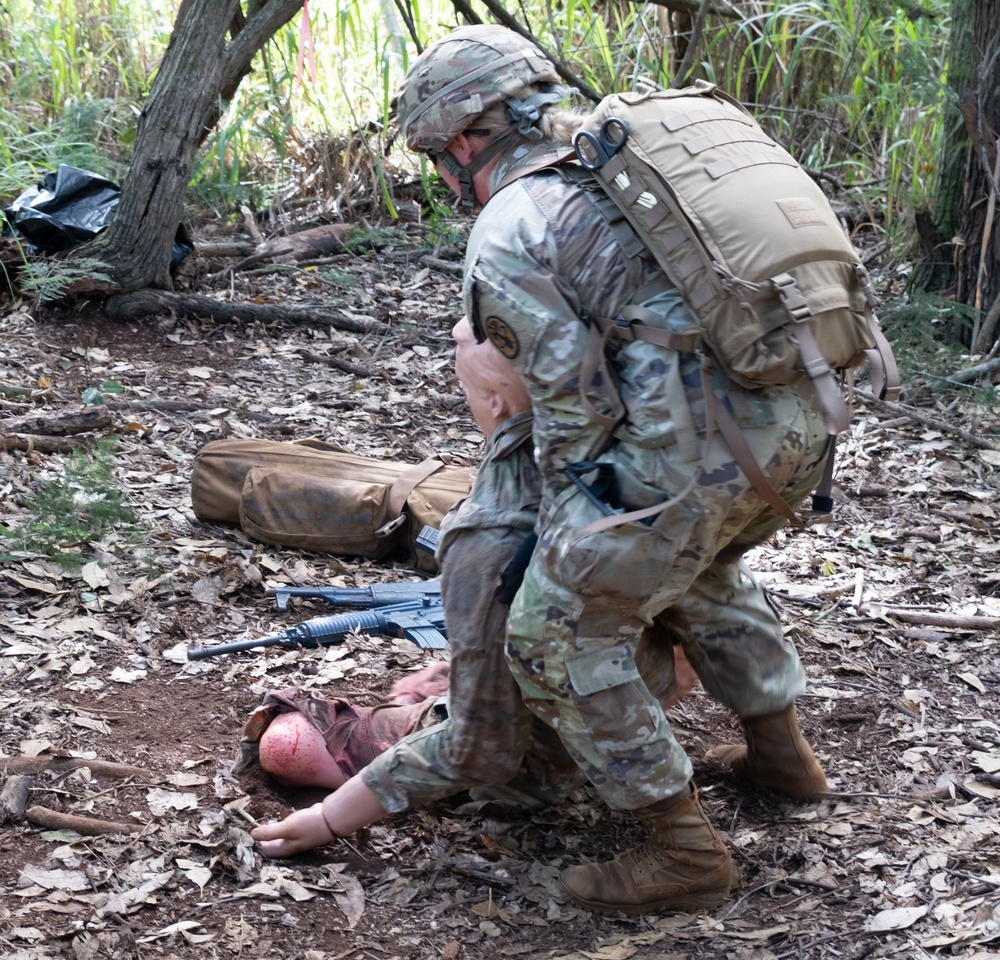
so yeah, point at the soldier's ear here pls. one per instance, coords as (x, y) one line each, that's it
(498, 405)
(461, 149)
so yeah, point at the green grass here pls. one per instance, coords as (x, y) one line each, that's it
(83, 504)
(853, 87)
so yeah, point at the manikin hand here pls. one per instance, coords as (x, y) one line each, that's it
(340, 814)
(431, 681)
(298, 832)
(684, 676)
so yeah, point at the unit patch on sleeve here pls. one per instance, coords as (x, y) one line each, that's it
(502, 337)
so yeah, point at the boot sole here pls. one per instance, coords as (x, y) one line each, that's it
(688, 903)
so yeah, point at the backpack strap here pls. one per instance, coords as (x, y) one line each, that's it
(882, 363)
(741, 451)
(836, 416)
(822, 499)
(400, 491)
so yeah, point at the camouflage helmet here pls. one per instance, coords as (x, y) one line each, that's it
(456, 79)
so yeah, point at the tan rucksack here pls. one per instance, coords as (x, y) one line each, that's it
(777, 291)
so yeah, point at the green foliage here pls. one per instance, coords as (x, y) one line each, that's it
(48, 279)
(853, 87)
(71, 511)
(97, 396)
(368, 238)
(925, 334)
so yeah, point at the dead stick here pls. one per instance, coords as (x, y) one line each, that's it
(928, 619)
(99, 768)
(919, 417)
(60, 423)
(43, 444)
(85, 826)
(336, 363)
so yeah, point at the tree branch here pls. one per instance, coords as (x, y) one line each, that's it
(693, 7)
(973, 373)
(85, 826)
(502, 16)
(905, 411)
(697, 29)
(128, 307)
(260, 26)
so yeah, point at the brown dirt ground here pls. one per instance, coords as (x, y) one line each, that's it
(902, 862)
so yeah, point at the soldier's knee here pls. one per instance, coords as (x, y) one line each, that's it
(484, 766)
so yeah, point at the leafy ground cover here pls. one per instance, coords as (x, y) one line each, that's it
(894, 604)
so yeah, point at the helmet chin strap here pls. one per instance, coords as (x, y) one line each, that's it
(464, 173)
(524, 115)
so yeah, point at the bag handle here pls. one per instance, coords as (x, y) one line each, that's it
(401, 489)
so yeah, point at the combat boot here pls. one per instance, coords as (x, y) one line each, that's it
(683, 866)
(775, 757)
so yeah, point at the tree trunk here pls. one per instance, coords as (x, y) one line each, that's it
(979, 279)
(938, 228)
(968, 191)
(198, 73)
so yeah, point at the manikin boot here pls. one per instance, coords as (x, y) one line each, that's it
(683, 866)
(776, 756)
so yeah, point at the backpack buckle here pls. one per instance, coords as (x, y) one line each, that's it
(862, 274)
(791, 297)
(391, 527)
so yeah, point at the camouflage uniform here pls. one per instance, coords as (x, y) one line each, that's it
(541, 261)
(487, 733)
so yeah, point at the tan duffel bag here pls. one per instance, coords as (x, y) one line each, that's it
(316, 497)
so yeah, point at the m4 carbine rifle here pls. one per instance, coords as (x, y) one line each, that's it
(361, 598)
(420, 618)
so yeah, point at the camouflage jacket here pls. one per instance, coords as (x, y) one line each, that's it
(541, 262)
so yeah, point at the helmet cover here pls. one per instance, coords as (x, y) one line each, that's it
(454, 80)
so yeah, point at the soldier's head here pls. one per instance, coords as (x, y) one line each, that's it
(491, 385)
(468, 96)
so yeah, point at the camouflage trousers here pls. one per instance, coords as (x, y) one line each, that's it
(490, 744)
(586, 599)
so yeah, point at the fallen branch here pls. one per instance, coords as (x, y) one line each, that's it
(85, 826)
(335, 362)
(317, 242)
(135, 306)
(59, 423)
(98, 768)
(187, 406)
(913, 414)
(925, 618)
(443, 266)
(224, 248)
(973, 373)
(30, 444)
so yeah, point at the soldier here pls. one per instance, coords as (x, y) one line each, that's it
(390, 758)
(546, 254)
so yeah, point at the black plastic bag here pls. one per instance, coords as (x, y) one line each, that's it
(69, 206)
